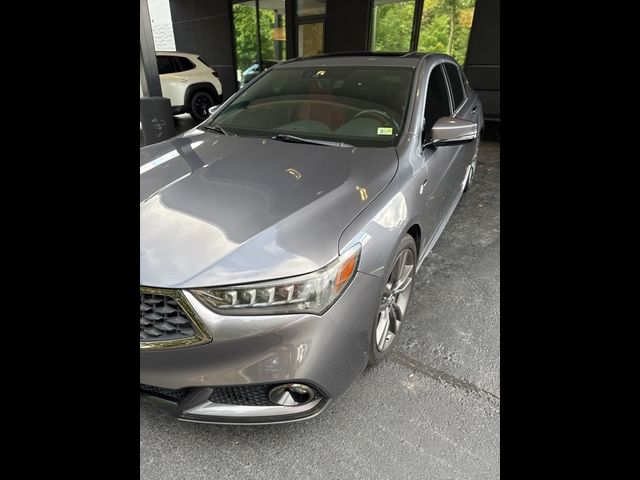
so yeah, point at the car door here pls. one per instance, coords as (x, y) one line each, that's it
(464, 108)
(436, 190)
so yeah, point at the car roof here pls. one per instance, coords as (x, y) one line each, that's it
(358, 59)
(177, 54)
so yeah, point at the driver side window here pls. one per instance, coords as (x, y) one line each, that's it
(437, 101)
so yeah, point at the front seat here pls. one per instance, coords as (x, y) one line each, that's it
(320, 108)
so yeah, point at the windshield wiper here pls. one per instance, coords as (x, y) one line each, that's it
(216, 128)
(283, 137)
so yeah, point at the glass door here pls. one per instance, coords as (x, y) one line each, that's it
(260, 39)
(245, 21)
(310, 27)
(273, 47)
(392, 25)
(310, 39)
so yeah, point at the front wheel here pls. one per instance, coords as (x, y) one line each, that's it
(394, 302)
(199, 105)
(472, 168)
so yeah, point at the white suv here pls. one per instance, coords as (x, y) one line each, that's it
(192, 86)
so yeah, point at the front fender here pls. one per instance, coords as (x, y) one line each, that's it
(380, 227)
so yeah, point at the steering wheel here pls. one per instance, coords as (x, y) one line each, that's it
(379, 113)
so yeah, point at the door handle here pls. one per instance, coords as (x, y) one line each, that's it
(424, 184)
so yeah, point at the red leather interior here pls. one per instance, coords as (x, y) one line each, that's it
(321, 107)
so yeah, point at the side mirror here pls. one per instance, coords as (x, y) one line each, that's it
(213, 109)
(452, 131)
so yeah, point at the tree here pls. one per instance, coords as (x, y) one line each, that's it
(444, 26)
(392, 26)
(244, 24)
(458, 15)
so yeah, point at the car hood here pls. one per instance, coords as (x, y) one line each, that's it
(221, 210)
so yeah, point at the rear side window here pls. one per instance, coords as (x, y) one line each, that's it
(437, 99)
(184, 64)
(165, 65)
(456, 84)
(200, 58)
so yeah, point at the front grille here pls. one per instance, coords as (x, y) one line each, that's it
(161, 318)
(175, 395)
(254, 395)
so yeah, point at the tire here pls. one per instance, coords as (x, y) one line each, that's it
(396, 296)
(199, 104)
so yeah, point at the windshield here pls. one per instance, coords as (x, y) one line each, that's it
(362, 106)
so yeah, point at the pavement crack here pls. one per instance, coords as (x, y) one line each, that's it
(438, 375)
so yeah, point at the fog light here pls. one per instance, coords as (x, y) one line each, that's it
(291, 394)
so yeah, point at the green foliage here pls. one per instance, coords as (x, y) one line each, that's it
(267, 19)
(434, 35)
(392, 28)
(244, 23)
(444, 27)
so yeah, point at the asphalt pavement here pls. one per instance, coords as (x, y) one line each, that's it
(431, 411)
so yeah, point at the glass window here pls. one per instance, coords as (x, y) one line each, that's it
(392, 24)
(272, 30)
(311, 7)
(310, 39)
(437, 105)
(362, 106)
(258, 43)
(445, 27)
(200, 58)
(183, 64)
(165, 65)
(244, 26)
(456, 84)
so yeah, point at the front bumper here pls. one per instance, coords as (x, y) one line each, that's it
(327, 352)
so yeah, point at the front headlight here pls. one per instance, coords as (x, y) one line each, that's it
(311, 293)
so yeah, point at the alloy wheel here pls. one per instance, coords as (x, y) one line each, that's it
(202, 104)
(395, 299)
(472, 167)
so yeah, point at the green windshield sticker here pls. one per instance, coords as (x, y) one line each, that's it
(385, 131)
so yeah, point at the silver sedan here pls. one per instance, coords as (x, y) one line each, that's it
(280, 238)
